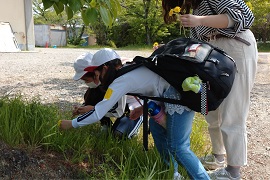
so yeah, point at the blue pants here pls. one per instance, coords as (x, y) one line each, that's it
(173, 143)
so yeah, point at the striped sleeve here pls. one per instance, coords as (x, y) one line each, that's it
(240, 14)
(237, 10)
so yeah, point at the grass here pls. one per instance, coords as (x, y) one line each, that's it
(130, 47)
(262, 47)
(32, 124)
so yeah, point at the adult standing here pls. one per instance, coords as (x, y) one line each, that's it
(224, 24)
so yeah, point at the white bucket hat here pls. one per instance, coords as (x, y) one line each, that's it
(100, 57)
(82, 62)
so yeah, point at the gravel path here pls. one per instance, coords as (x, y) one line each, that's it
(47, 74)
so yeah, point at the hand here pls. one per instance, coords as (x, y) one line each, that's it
(75, 111)
(189, 20)
(84, 109)
(214, 21)
(65, 124)
(81, 109)
(136, 113)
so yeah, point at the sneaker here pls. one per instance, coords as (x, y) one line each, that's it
(222, 174)
(211, 163)
(177, 176)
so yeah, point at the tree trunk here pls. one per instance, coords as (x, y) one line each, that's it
(79, 37)
(146, 14)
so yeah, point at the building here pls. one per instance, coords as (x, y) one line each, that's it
(18, 13)
(50, 35)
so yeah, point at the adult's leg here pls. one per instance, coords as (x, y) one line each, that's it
(228, 123)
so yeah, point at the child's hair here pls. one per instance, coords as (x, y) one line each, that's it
(111, 72)
(89, 74)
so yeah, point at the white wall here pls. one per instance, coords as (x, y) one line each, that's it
(51, 35)
(58, 37)
(20, 16)
(42, 35)
(8, 42)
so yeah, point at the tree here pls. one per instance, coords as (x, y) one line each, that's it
(90, 10)
(134, 22)
(141, 19)
(100, 14)
(145, 19)
(141, 22)
(76, 29)
(261, 25)
(48, 16)
(75, 25)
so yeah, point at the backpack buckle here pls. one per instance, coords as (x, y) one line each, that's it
(154, 59)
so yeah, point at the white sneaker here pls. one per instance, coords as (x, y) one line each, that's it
(177, 176)
(222, 174)
(211, 163)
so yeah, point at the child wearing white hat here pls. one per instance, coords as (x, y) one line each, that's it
(95, 93)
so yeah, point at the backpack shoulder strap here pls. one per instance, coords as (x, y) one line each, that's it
(133, 65)
(150, 64)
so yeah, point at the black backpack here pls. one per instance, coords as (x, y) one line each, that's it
(185, 57)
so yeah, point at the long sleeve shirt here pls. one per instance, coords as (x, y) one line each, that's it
(141, 81)
(237, 11)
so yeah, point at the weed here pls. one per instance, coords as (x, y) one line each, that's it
(33, 124)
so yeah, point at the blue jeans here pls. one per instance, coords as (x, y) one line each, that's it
(173, 143)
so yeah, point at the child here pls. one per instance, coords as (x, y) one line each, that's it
(172, 142)
(123, 126)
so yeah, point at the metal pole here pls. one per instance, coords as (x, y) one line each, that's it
(145, 124)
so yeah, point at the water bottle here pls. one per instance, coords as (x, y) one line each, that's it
(157, 113)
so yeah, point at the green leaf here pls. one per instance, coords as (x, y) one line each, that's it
(64, 2)
(92, 15)
(115, 8)
(84, 17)
(105, 16)
(87, 1)
(75, 5)
(58, 7)
(108, 3)
(69, 12)
(47, 3)
(83, 2)
(93, 3)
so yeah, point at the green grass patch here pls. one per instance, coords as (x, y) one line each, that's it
(86, 47)
(137, 48)
(32, 124)
(263, 47)
(26, 122)
(130, 47)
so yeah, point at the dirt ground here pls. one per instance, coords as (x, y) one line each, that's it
(258, 125)
(47, 73)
